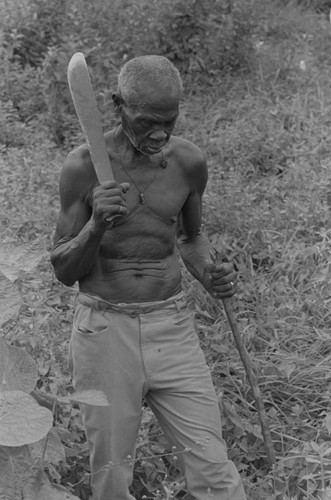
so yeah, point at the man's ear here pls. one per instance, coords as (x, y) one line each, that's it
(117, 100)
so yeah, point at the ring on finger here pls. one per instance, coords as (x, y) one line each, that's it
(232, 284)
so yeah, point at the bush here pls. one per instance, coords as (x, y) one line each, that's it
(317, 5)
(29, 33)
(203, 39)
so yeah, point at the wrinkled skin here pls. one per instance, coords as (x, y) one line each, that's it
(118, 248)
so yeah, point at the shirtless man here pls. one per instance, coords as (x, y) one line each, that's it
(133, 336)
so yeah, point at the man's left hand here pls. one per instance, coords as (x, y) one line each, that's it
(223, 280)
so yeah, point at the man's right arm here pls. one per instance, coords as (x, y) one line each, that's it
(73, 259)
(80, 228)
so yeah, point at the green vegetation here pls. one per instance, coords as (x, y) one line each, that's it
(258, 102)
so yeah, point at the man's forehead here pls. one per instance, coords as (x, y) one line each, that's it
(157, 99)
(165, 115)
(156, 112)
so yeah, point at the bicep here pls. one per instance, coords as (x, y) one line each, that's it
(191, 214)
(75, 211)
(70, 222)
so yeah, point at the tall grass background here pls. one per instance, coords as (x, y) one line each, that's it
(265, 128)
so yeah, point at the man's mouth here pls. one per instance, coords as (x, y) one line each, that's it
(155, 147)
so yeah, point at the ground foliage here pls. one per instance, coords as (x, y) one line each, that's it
(257, 100)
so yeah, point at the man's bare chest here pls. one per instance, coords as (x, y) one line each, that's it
(161, 190)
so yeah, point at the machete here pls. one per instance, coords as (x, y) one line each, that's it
(88, 115)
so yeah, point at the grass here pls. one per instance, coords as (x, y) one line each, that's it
(266, 136)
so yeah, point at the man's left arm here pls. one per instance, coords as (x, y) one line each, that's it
(219, 279)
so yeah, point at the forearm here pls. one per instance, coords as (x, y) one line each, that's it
(197, 255)
(73, 259)
(219, 279)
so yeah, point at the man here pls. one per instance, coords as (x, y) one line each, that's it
(133, 336)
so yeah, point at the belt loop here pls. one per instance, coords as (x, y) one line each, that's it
(178, 304)
(100, 305)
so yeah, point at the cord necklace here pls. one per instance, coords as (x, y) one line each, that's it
(141, 193)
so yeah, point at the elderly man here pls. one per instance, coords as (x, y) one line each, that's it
(133, 336)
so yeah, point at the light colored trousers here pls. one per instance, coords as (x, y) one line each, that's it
(151, 351)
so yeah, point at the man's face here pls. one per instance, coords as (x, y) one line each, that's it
(150, 124)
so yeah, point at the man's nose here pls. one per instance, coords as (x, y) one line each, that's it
(158, 135)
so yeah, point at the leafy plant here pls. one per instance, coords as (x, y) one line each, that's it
(24, 422)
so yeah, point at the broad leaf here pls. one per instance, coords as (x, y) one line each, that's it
(22, 420)
(20, 478)
(18, 371)
(10, 299)
(326, 495)
(16, 470)
(15, 259)
(54, 448)
(40, 489)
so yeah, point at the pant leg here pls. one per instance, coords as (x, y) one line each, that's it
(105, 356)
(184, 401)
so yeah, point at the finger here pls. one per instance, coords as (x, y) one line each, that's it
(223, 293)
(231, 285)
(224, 280)
(222, 269)
(106, 200)
(107, 194)
(225, 290)
(125, 186)
(116, 211)
(108, 185)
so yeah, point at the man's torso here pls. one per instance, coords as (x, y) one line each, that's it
(137, 259)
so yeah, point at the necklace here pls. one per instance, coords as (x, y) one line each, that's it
(141, 193)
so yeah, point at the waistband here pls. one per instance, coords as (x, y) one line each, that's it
(176, 302)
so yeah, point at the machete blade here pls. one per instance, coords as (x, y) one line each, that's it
(88, 115)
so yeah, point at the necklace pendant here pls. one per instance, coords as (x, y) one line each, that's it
(142, 198)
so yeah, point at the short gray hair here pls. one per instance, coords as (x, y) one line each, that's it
(156, 69)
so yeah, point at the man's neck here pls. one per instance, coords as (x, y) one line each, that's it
(130, 156)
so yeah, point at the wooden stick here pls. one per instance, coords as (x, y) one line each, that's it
(248, 365)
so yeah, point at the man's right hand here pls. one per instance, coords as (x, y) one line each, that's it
(109, 203)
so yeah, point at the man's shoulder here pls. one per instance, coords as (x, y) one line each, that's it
(79, 160)
(188, 155)
(184, 145)
(78, 175)
(78, 166)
